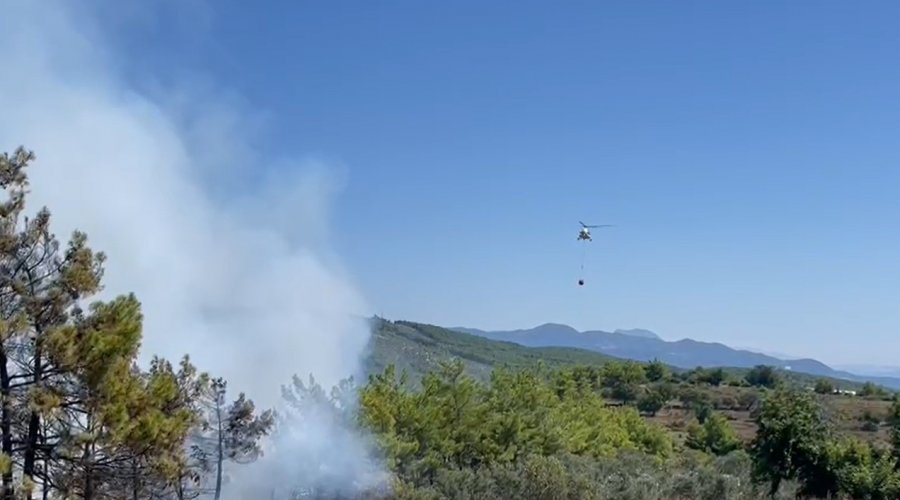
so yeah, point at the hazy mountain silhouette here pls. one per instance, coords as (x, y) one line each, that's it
(643, 345)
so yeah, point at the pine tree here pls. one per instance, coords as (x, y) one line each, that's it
(119, 431)
(190, 472)
(77, 416)
(230, 432)
(40, 287)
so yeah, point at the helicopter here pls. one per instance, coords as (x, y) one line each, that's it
(585, 233)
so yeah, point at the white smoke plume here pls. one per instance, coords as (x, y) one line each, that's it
(236, 274)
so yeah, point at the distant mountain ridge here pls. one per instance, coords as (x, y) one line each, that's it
(643, 345)
(639, 332)
(871, 370)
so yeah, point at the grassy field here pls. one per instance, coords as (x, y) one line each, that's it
(848, 413)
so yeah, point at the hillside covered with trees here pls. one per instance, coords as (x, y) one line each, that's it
(541, 433)
(79, 418)
(643, 345)
(419, 348)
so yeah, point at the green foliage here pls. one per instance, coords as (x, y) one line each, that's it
(655, 399)
(864, 472)
(626, 393)
(893, 421)
(712, 376)
(791, 441)
(454, 419)
(872, 391)
(623, 372)
(868, 389)
(698, 401)
(763, 376)
(419, 348)
(870, 422)
(622, 379)
(657, 371)
(794, 452)
(824, 386)
(627, 475)
(748, 399)
(714, 436)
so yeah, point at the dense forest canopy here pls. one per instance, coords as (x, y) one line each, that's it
(81, 419)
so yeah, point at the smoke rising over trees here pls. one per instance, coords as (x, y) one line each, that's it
(81, 418)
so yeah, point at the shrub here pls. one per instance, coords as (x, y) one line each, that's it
(870, 422)
(824, 386)
(715, 436)
(763, 376)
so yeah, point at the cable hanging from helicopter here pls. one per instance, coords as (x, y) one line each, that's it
(585, 236)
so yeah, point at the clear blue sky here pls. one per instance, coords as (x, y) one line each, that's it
(747, 152)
